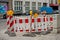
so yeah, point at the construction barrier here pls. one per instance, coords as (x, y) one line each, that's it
(22, 24)
(51, 21)
(42, 23)
(10, 23)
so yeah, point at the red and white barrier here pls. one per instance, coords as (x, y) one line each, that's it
(10, 23)
(44, 23)
(30, 24)
(51, 22)
(27, 24)
(45, 20)
(22, 24)
(38, 24)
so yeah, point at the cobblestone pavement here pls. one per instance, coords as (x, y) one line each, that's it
(3, 36)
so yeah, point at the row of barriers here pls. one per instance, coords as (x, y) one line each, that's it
(43, 23)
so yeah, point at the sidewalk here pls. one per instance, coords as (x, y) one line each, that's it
(20, 37)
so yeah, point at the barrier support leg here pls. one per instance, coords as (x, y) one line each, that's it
(11, 31)
(30, 34)
(12, 34)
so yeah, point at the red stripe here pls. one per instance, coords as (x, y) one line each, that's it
(15, 21)
(21, 30)
(38, 20)
(39, 30)
(11, 17)
(12, 30)
(51, 19)
(32, 20)
(12, 23)
(27, 30)
(45, 29)
(45, 19)
(20, 20)
(8, 22)
(26, 20)
(33, 30)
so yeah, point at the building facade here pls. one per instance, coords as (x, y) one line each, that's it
(25, 5)
(53, 1)
(54, 4)
(7, 3)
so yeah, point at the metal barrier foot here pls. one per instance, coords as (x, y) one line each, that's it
(43, 32)
(7, 32)
(30, 35)
(51, 29)
(12, 34)
(58, 32)
(38, 33)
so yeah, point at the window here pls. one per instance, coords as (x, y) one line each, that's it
(33, 8)
(33, 5)
(56, 1)
(51, 1)
(18, 6)
(39, 5)
(27, 6)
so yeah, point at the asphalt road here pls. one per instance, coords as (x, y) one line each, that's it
(3, 36)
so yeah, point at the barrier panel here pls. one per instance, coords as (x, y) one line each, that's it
(22, 24)
(38, 24)
(33, 25)
(10, 23)
(45, 20)
(50, 22)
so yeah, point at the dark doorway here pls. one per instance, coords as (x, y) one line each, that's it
(55, 7)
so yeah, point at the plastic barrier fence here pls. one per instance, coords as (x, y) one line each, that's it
(22, 24)
(27, 24)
